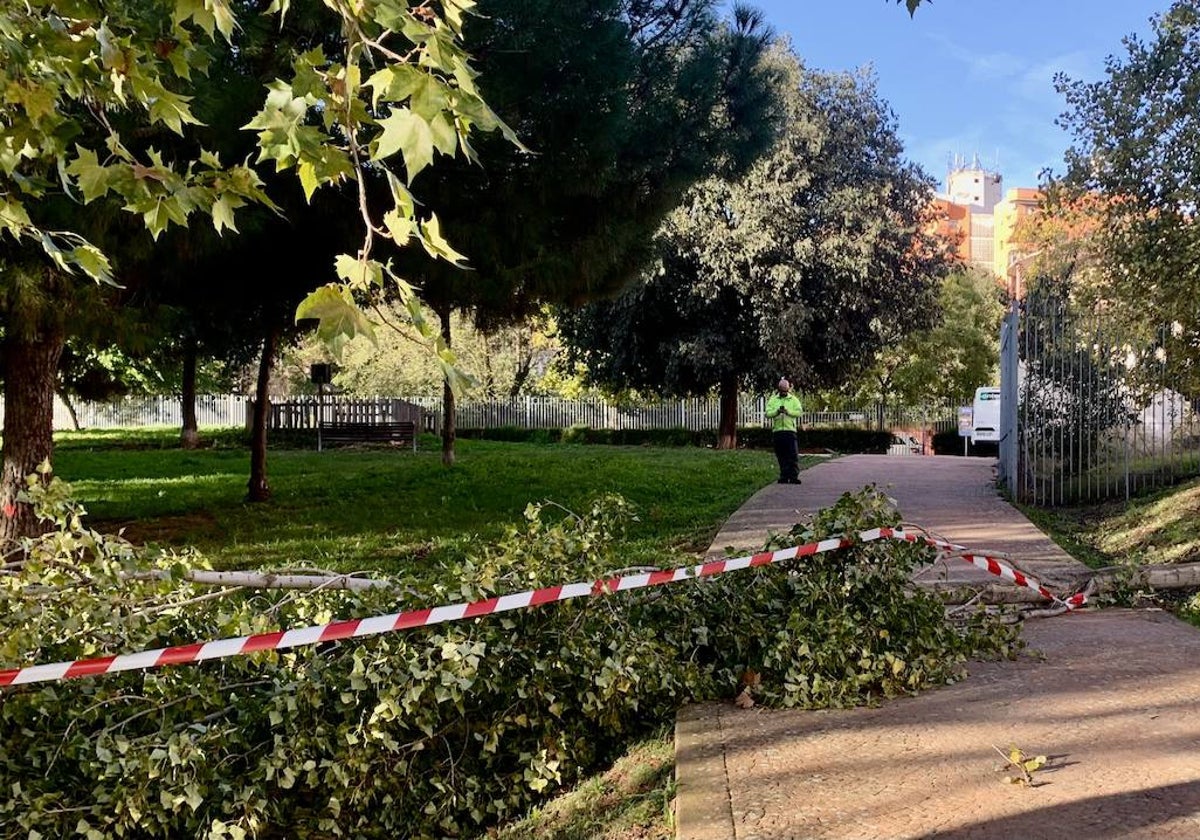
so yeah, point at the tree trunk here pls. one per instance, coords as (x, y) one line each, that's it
(259, 490)
(727, 425)
(189, 437)
(66, 401)
(489, 372)
(448, 407)
(524, 365)
(30, 375)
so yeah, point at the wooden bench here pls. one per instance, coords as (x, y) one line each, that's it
(353, 434)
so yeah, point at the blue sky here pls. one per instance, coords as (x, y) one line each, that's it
(968, 76)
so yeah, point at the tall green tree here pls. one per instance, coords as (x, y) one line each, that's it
(508, 361)
(1132, 165)
(625, 105)
(803, 267)
(945, 363)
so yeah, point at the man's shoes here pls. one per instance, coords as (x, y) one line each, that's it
(788, 481)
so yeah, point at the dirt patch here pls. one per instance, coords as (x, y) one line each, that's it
(185, 529)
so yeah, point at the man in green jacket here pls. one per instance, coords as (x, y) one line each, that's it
(784, 410)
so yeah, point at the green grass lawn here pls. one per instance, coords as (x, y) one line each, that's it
(1159, 527)
(632, 800)
(352, 510)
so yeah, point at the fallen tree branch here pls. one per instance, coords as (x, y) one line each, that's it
(272, 580)
(1097, 582)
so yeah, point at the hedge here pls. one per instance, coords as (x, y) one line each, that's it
(854, 441)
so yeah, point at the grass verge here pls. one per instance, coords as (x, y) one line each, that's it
(1159, 527)
(387, 510)
(632, 800)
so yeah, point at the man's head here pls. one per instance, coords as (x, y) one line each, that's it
(784, 386)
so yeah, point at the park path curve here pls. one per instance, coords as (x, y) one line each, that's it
(1113, 696)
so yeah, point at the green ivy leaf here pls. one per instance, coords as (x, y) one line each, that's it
(358, 274)
(222, 214)
(400, 227)
(13, 217)
(445, 137)
(92, 262)
(394, 83)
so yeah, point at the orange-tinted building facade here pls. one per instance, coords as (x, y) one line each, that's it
(1017, 206)
(954, 225)
(984, 232)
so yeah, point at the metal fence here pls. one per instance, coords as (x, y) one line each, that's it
(141, 411)
(699, 414)
(523, 412)
(1104, 407)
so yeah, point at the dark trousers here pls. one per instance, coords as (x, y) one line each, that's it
(788, 455)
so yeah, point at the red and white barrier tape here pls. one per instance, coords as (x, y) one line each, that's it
(359, 628)
(993, 565)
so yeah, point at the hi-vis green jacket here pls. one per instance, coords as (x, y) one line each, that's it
(784, 412)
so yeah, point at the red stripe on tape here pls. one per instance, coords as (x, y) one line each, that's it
(88, 667)
(262, 641)
(412, 618)
(603, 586)
(179, 655)
(340, 630)
(478, 608)
(545, 596)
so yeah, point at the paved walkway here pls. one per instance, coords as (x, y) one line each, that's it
(1113, 697)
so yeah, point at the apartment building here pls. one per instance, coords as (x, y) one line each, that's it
(982, 220)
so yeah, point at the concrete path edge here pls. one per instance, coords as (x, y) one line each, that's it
(703, 810)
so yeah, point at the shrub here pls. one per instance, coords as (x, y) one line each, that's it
(856, 441)
(834, 439)
(432, 732)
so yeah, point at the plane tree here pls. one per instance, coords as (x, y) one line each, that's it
(1127, 200)
(92, 90)
(624, 106)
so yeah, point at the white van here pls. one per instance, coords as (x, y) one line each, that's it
(985, 424)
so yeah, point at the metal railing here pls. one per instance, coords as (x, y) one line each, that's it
(146, 411)
(300, 412)
(1105, 407)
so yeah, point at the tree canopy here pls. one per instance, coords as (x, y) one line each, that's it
(624, 105)
(1132, 168)
(803, 267)
(100, 110)
(944, 364)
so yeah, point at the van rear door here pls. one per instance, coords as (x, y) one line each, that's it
(985, 426)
